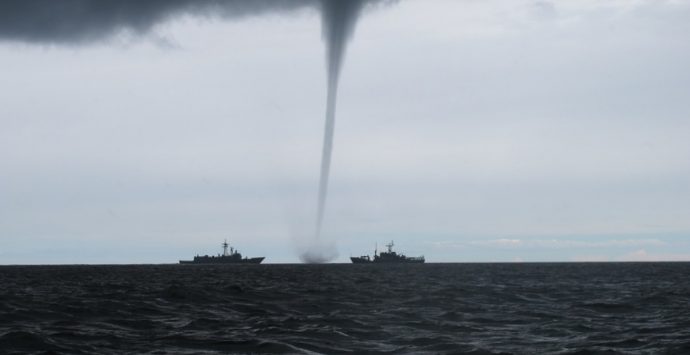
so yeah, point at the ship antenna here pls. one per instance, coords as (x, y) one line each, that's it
(376, 248)
(225, 248)
(390, 246)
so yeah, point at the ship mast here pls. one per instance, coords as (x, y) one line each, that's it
(390, 246)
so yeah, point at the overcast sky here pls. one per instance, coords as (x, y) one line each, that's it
(465, 131)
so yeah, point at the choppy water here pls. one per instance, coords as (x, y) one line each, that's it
(431, 308)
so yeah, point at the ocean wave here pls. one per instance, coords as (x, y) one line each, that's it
(338, 308)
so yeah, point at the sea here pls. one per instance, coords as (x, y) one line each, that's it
(456, 308)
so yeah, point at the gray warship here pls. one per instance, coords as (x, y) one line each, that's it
(387, 257)
(232, 257)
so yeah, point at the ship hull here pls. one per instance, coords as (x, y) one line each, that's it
(222, 260)
(358, 260)
(401, 261)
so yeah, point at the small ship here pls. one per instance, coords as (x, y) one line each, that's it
(387, 257)
(232, 257)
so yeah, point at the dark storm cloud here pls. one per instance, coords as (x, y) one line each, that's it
(84, 21)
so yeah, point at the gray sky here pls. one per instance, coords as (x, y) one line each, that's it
(466, 131)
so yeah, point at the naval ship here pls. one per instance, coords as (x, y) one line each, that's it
(232, 257)
(388, 257)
